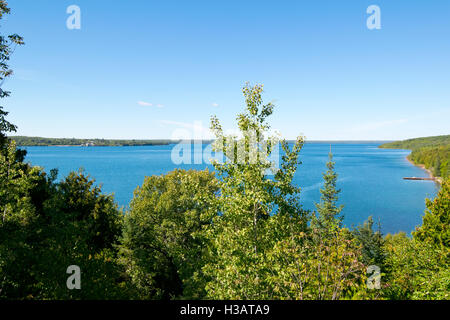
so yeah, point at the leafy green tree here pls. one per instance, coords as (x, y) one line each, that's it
(5, 126)
(258, 205)
(309, 266)
(435, 228)
(372, 243)
(77, 199)
(20, 210)
(50, 226)
(415, 270)
(80, 226)
(434, 287)
(7, 47)
(322, 263)
(163, 244)
(17, 180)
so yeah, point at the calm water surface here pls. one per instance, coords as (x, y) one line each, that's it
(370, 178)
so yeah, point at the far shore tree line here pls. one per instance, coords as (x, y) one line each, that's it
(235, 233)
(431, 152)
(40, 141)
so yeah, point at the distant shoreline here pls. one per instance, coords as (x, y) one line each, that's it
(103, 145)
(25, 141)
(430, 174)
(428, 153)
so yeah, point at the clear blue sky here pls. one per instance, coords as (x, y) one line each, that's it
(328, 74)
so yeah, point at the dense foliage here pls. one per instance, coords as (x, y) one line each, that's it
(39, 141)
(323, 262)
(163, 238)
(432, 152)
(434, 158)
(47, 226)
(258, 205)
(190, 235)
(435, 228)
(417, 143)
(238, 233)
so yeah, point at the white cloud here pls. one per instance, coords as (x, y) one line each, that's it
(215, 104)
(145, 104)
(148, 104)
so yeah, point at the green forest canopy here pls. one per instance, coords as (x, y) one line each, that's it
(412, 144)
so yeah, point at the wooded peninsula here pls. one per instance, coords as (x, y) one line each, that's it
(431, 152)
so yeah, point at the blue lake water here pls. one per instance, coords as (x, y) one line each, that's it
(370, 178)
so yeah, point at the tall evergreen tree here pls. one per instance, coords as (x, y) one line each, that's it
(372, 243)
(328, 210)
(325, 261)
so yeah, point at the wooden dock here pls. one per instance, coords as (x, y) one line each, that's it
(416, 178)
